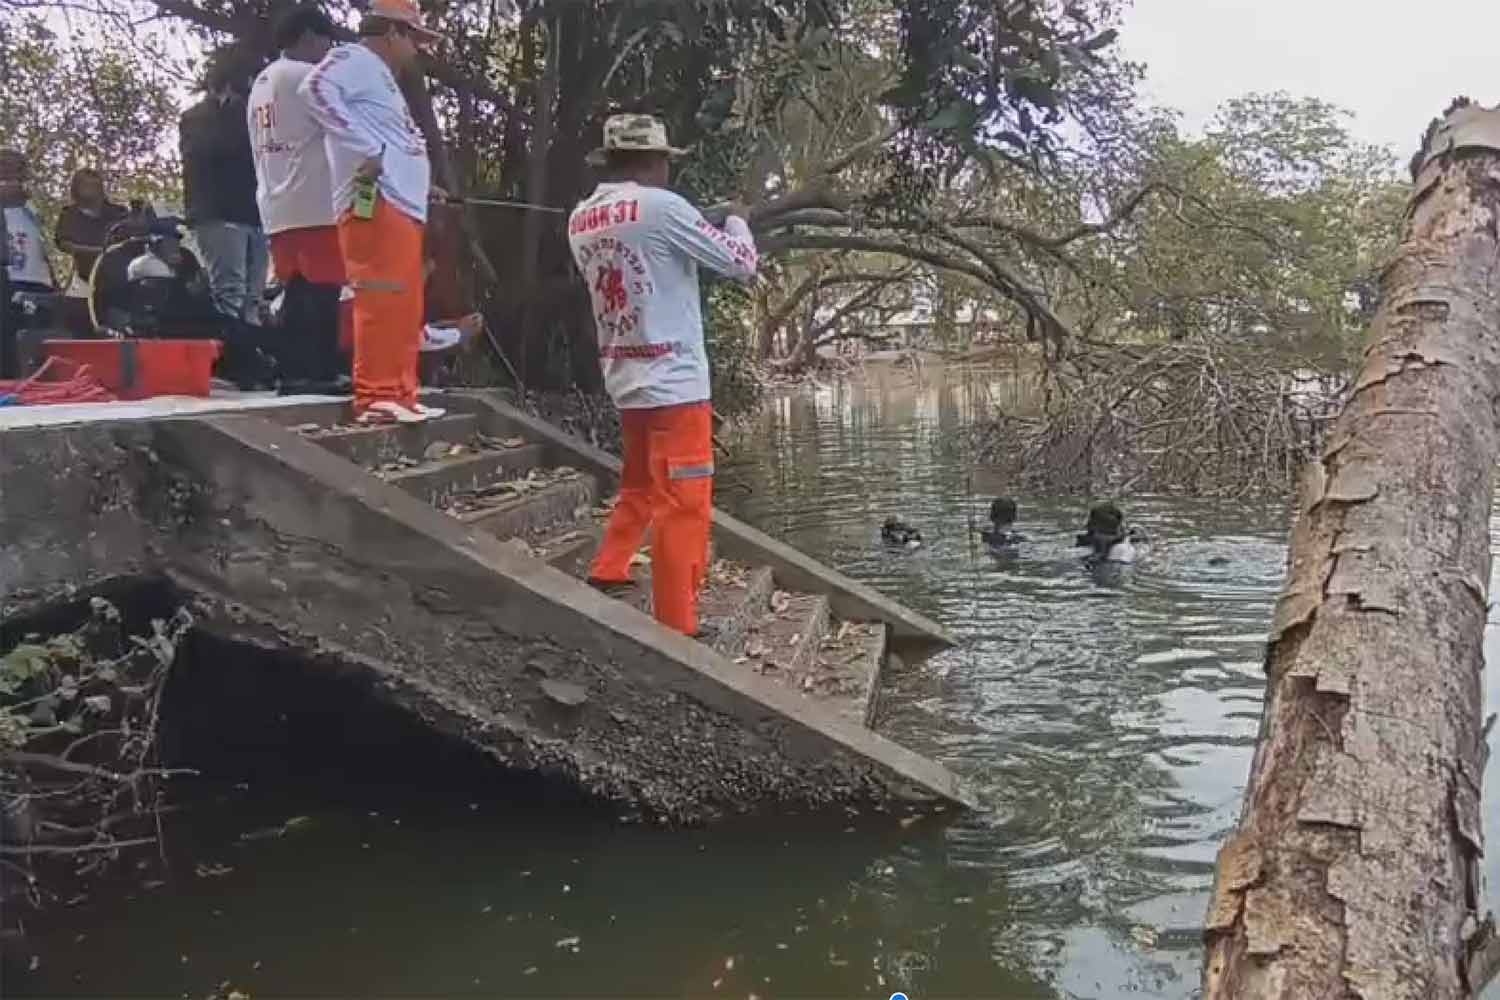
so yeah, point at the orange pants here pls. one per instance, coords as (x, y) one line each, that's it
(667, 486)
(383, 258)
(314, 253)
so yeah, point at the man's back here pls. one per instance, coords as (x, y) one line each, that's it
(218, 171)
(638, 249)
(293, 188)
(355, 98)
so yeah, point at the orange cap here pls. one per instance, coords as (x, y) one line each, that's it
(405, 11)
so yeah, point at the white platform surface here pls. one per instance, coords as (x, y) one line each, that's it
(221, 401)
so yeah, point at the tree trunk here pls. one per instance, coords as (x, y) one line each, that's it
(532, 233)
(1354, 871)
(419, 100)
(539, 154)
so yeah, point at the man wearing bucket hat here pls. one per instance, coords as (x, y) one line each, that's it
(639, 247)
(382, 181)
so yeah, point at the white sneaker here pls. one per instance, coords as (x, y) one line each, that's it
(387, 412)
(440, 338)
(430, 412)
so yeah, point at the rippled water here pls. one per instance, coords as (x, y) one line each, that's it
(1106, 717)
(1106, 721)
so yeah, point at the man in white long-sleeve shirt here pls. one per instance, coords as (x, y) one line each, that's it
(370, 136)
(639, 247)
(295, 196)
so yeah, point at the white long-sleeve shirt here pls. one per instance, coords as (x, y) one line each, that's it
(354, 97)
(292, 183)
(639, 249)
(26, 256)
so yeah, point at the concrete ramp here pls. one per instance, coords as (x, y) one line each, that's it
(441, 563)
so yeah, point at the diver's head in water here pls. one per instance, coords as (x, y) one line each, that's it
(1003, 512)
(897, 532)
(1105, 528)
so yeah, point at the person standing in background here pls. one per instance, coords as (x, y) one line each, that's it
(26, 263)
(83, 229)
(27, 268)
(83, 225)
(294, 192)
(382, 181)
(218, 187)
(638, 246)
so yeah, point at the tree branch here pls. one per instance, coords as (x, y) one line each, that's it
(16, 850)
(1041, 241)
(814, 282)
(808, 339)
(448, 76)
(858, 150)
(1009, 284)
(979, 264)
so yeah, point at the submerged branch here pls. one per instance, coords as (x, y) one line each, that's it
(34, 850)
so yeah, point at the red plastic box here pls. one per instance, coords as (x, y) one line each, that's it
(139, 369)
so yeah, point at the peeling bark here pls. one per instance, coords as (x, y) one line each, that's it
(1354, 871)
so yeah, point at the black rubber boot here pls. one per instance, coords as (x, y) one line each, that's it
(245, 361)
(613, 588)
(308, 341)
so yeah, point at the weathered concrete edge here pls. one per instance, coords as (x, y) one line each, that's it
(237, 621)
(716, 679)
(877, 678)
(794, 570)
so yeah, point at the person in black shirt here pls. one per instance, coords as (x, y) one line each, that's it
(218, 180)
(83, 229)
(83, 225)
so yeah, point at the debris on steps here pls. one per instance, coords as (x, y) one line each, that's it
(838, 664)
(438, 476)
(499, 484)
(569, 549)
(385, 444)
(786, 639)
(528, 507)
(734, 599)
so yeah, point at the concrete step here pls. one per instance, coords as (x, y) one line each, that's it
(375, 446)
(531, 513)
(784, 643)
(572, 549)
(439, 481)
(731, 599)
(847, 673)
(298, 415)
(839, 665)
(734, 599)
(877, 654)
(536, 671)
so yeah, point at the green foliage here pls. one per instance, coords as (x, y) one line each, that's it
(1284, 225)
(68, 104)
(997, 83)
(1223, 312)
(31, 664)
(737, 382)
(78, 729)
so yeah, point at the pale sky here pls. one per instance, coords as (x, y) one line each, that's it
(1395, 66)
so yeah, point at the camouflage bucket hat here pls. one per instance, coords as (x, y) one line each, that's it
(639, 133)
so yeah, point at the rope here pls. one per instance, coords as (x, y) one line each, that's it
(77, 386)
